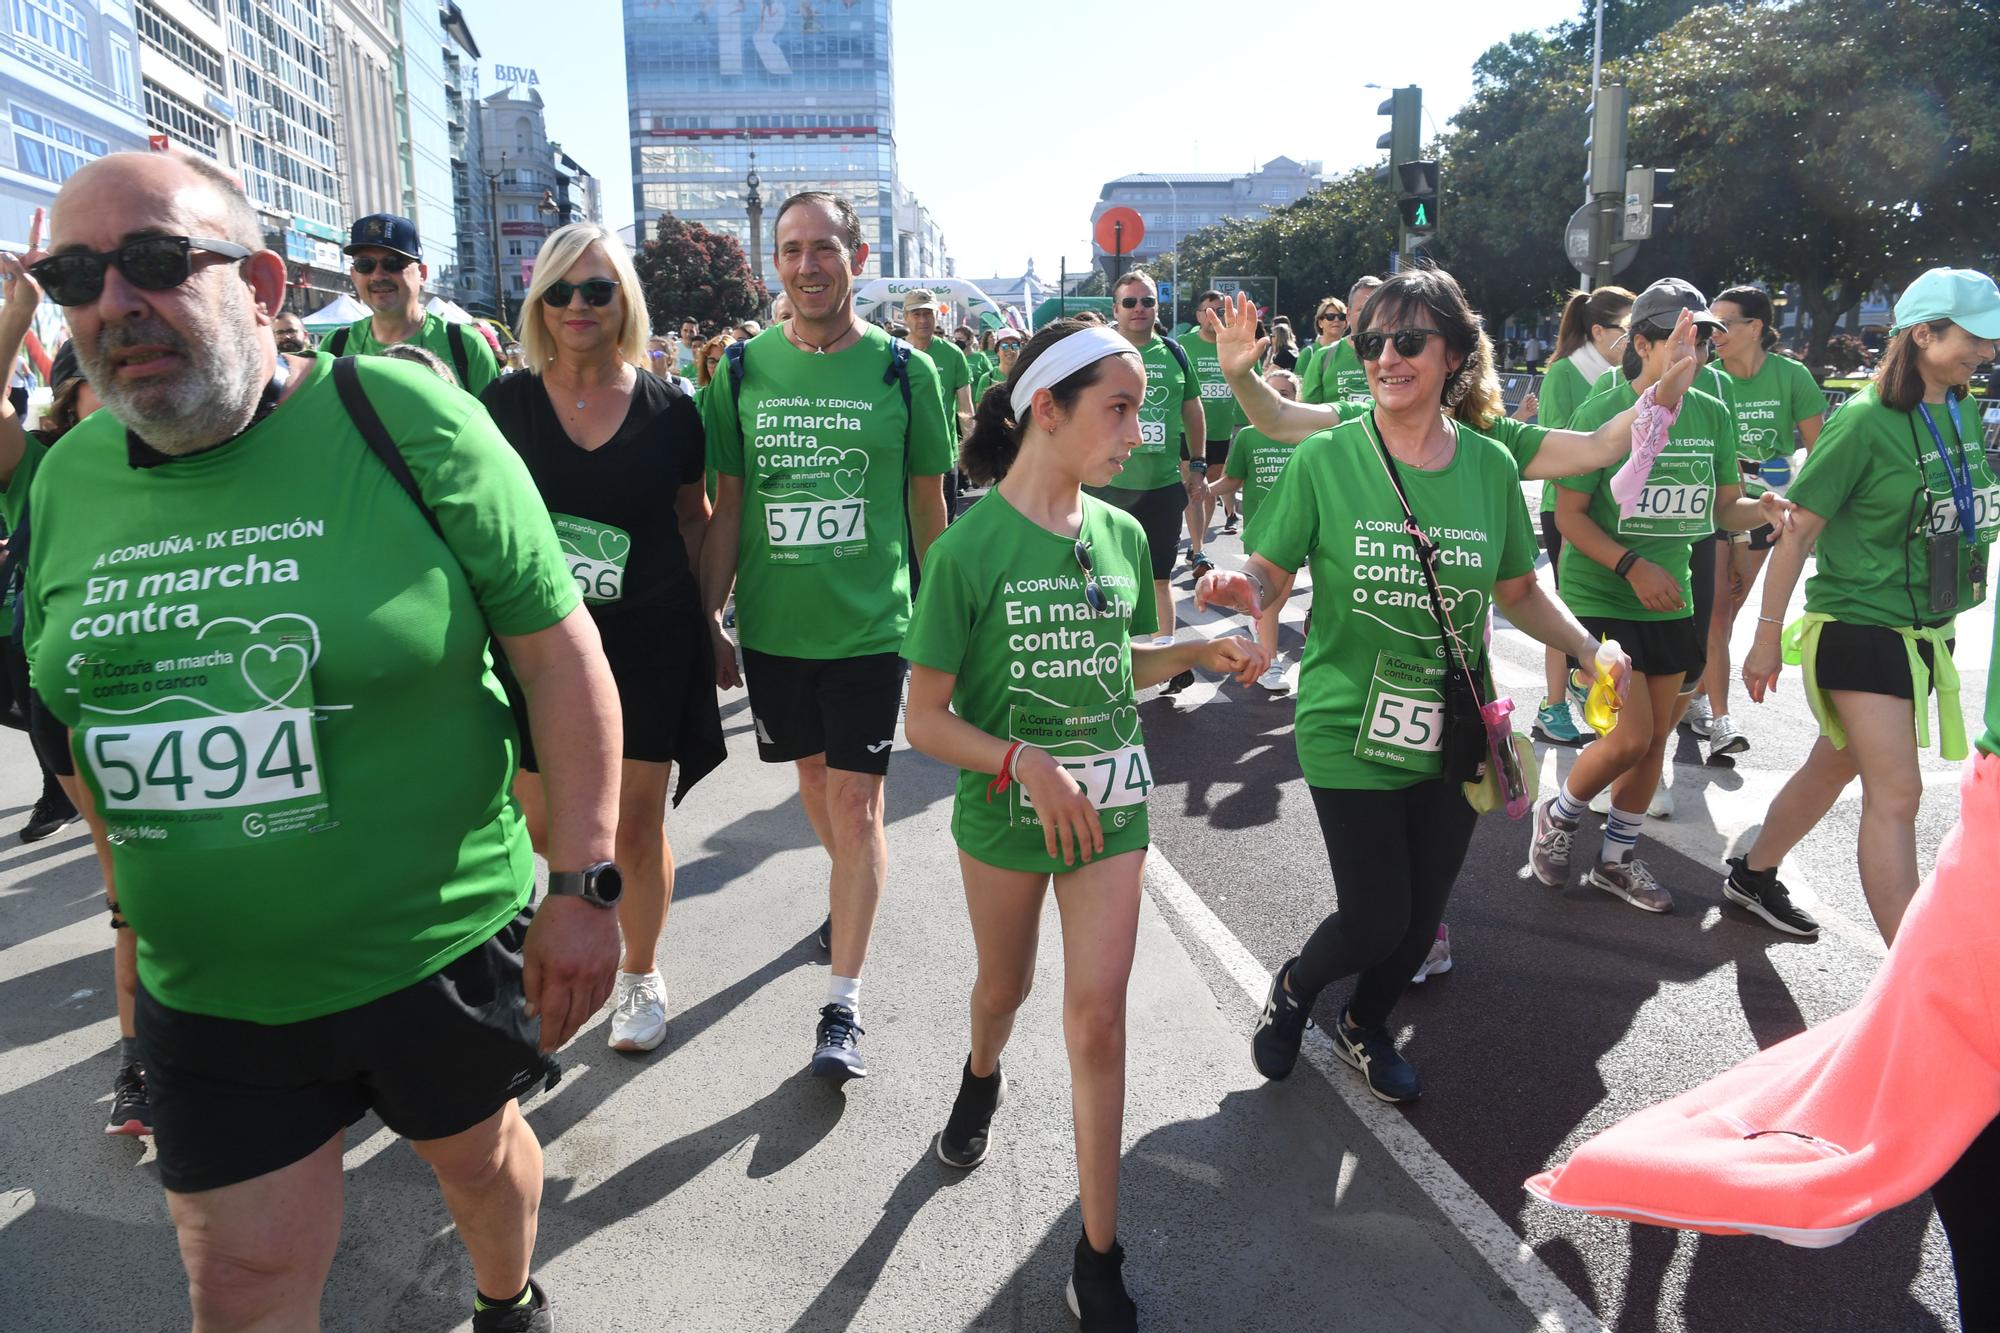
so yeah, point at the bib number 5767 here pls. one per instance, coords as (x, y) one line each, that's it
(815, 523)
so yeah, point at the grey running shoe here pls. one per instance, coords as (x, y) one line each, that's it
(1548, 853)
(1633, 882)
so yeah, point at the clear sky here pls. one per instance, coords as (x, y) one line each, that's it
(1010, 118)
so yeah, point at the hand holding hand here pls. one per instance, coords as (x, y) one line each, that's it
(1776, 510)
(1235, 656)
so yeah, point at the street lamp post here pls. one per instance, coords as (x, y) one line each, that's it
(493, 207)
(753, 205)
(1174, 245)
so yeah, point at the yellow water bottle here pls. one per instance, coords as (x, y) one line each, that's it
(1600, 707)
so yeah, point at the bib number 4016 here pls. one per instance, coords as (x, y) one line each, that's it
(815, 523)
(208, 764)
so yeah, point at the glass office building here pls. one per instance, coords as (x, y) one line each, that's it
(804, 84)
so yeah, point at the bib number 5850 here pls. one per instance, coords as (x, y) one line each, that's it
(208, 764)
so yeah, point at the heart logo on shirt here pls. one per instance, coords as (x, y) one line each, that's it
(1104, 664)
(850, 472)
(615, 545)
(1125, 723)
(279, 656)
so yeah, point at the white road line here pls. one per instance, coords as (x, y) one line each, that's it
(1555, 1307)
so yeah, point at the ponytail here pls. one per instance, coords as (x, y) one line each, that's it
(1586, 311)
(989, 450)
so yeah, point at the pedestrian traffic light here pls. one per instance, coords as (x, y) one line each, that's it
(1604, 149)
(1417, 200)
(1405, 109)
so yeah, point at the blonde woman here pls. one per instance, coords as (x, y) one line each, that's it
(617, 454)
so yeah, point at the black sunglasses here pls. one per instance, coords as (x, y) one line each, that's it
(151, 263)
(1409, 343)
(1092, 594)
(1332, 319)
(367, 264)
(1130, 301)
(596, 292)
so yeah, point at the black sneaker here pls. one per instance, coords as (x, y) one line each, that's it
(1229, 524)
(965, 1137)
(1096, 1291)
(131, 1109)
(532, 1316)
(826, 934)
(50, 813)
(1274, 1046)
(1388, 1075)
(1178, 683)
(1759, 892)
(836, 1052)
(1199, 564)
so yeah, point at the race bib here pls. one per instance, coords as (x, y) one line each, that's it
(207, 743)
(1671, 509)
(595, 554)
(1102, 749)
(1152, 437)
(815, 507)
(1402, 723)
(1985, 510)
(1215, 388)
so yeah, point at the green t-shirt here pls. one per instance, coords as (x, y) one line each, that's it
(1676, 510)
(481, 367)
(1370, 699)
(1257, 460)
(1770, 404)
(1336, 376)
(1003, 609)
(14, 495)
(1157, 461)
(1218, 403)
(1563, 391)
(1863, 477)
(823, 567)
(1521, 440)
(277, 681)
(954, 372)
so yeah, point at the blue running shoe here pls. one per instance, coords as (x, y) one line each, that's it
(1275, 1044)
(836, 1052)
(1388, 1075)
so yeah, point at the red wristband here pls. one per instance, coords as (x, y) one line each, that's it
(1006, 774)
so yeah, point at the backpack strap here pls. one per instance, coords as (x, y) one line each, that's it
(733, 355)
(347, 380)
(898, 374)
(337, 344)
(461, 360)
(1180, 354)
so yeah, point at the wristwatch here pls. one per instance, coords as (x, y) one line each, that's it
(599, 885)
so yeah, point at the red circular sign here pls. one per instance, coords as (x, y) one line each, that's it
(1119, 230)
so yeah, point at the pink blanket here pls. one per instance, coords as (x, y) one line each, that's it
(1649, 437)
(1806, 1141)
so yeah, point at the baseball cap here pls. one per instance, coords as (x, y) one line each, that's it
(1661, 304)
(919, 298)
(1964, 296)
(1008, 331)
(385, 231)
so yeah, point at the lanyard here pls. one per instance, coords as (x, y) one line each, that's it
(1961, 476)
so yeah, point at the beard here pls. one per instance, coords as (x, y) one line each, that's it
(208, 400)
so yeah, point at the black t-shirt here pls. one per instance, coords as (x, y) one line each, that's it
(625, 487)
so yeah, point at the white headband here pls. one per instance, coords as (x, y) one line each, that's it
(1064, 359)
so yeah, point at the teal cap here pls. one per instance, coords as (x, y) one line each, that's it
(1964, 296)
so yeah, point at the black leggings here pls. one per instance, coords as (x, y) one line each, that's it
(1395, 856)
(1964, 1199)
(16, 665)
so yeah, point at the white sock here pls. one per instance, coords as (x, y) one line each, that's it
(1621, 836)
(845, 991)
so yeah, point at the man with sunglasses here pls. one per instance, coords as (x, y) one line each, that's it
(270, 647)
(1149, 487)
(389, 274)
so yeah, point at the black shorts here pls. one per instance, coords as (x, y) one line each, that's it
(1217, 455)
(50, 738)
(1869, 660)
(844, 708)
(1657, 647)
(664, 667)
(1552, 542)
(1159, 513)
(234, 1100)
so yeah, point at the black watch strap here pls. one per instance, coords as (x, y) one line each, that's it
(599, 884)
(1625, 563)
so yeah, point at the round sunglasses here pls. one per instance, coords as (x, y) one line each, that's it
(596, 292)
(151, 263)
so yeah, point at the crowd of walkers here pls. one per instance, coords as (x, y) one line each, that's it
(257, 592)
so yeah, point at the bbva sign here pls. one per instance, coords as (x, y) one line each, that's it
(516, 74)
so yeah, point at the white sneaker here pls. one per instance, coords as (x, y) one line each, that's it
(1699, 717)
(1438, 959)
(1725, 737)
(1273, 678)
(638, 1011)
(1660, 807)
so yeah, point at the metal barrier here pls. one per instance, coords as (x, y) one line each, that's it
(1515, 387)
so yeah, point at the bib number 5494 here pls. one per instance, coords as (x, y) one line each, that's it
(206, 764)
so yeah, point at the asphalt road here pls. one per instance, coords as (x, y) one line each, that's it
(1567, 1009)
